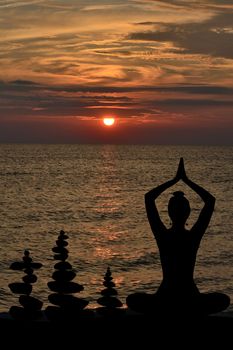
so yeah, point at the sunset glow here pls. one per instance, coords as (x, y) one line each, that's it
(109, 121)
(63, 66)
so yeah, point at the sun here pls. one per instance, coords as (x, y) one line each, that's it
(109, 121)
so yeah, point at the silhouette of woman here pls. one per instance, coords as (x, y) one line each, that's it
(178, 249)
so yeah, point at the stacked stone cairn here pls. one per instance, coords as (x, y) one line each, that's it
(67, 306)
(30, 308)
(110, 304)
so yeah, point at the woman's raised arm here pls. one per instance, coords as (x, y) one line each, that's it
(209, 201)
(152, 212)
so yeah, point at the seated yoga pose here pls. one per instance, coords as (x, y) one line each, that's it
(178, 250)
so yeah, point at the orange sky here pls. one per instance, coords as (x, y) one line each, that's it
(164, 69)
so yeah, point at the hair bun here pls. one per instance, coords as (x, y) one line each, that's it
(178, 194)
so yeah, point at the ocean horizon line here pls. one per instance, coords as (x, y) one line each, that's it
(118, 144)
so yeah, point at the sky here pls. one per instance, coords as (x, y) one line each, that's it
(163, 69)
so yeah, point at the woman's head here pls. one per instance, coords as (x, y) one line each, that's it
(178, 208)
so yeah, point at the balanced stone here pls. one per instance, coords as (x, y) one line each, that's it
(110, 304)
(63, 265)
(64, 275)
(30, 278)
(29, 302)
(20, 288)
(61, 257)
(67, 301)
(61, 243)
(60, 250)
(65, 287)
(30, 306)
(109, 292)
(67, 306)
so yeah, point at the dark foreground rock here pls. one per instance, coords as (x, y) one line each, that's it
(126, 329)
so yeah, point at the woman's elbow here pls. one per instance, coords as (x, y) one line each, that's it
(213, 200)
(147, 197)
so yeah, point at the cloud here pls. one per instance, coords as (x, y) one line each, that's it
(195, 102)
(26, 98)
(105, 7)
(84, 51)
(31, 112)
(191, 4)
(23, 82)
(5, 4)
(180, 88)
(213, 37)
(83, 47)
(190, 89)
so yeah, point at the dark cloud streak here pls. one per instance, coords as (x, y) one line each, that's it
(190, 89)
(208, 38)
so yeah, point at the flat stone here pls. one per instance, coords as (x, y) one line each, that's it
(61, 257)
(30, 303)
(62, 235)
(20, 288)
(60, 250)
(27, 259)
(65, 287)
(29, 278)
(17, 265)
(63, 275)
(28, 270)
(109, 302)
(63, 265)
(109, 292)
(109, 284)
(61, 243)
(68, 301)
(20, 265)
(36, 266)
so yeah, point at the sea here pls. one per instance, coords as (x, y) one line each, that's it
(95, 193)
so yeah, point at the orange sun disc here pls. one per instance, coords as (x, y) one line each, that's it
(108, 121)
